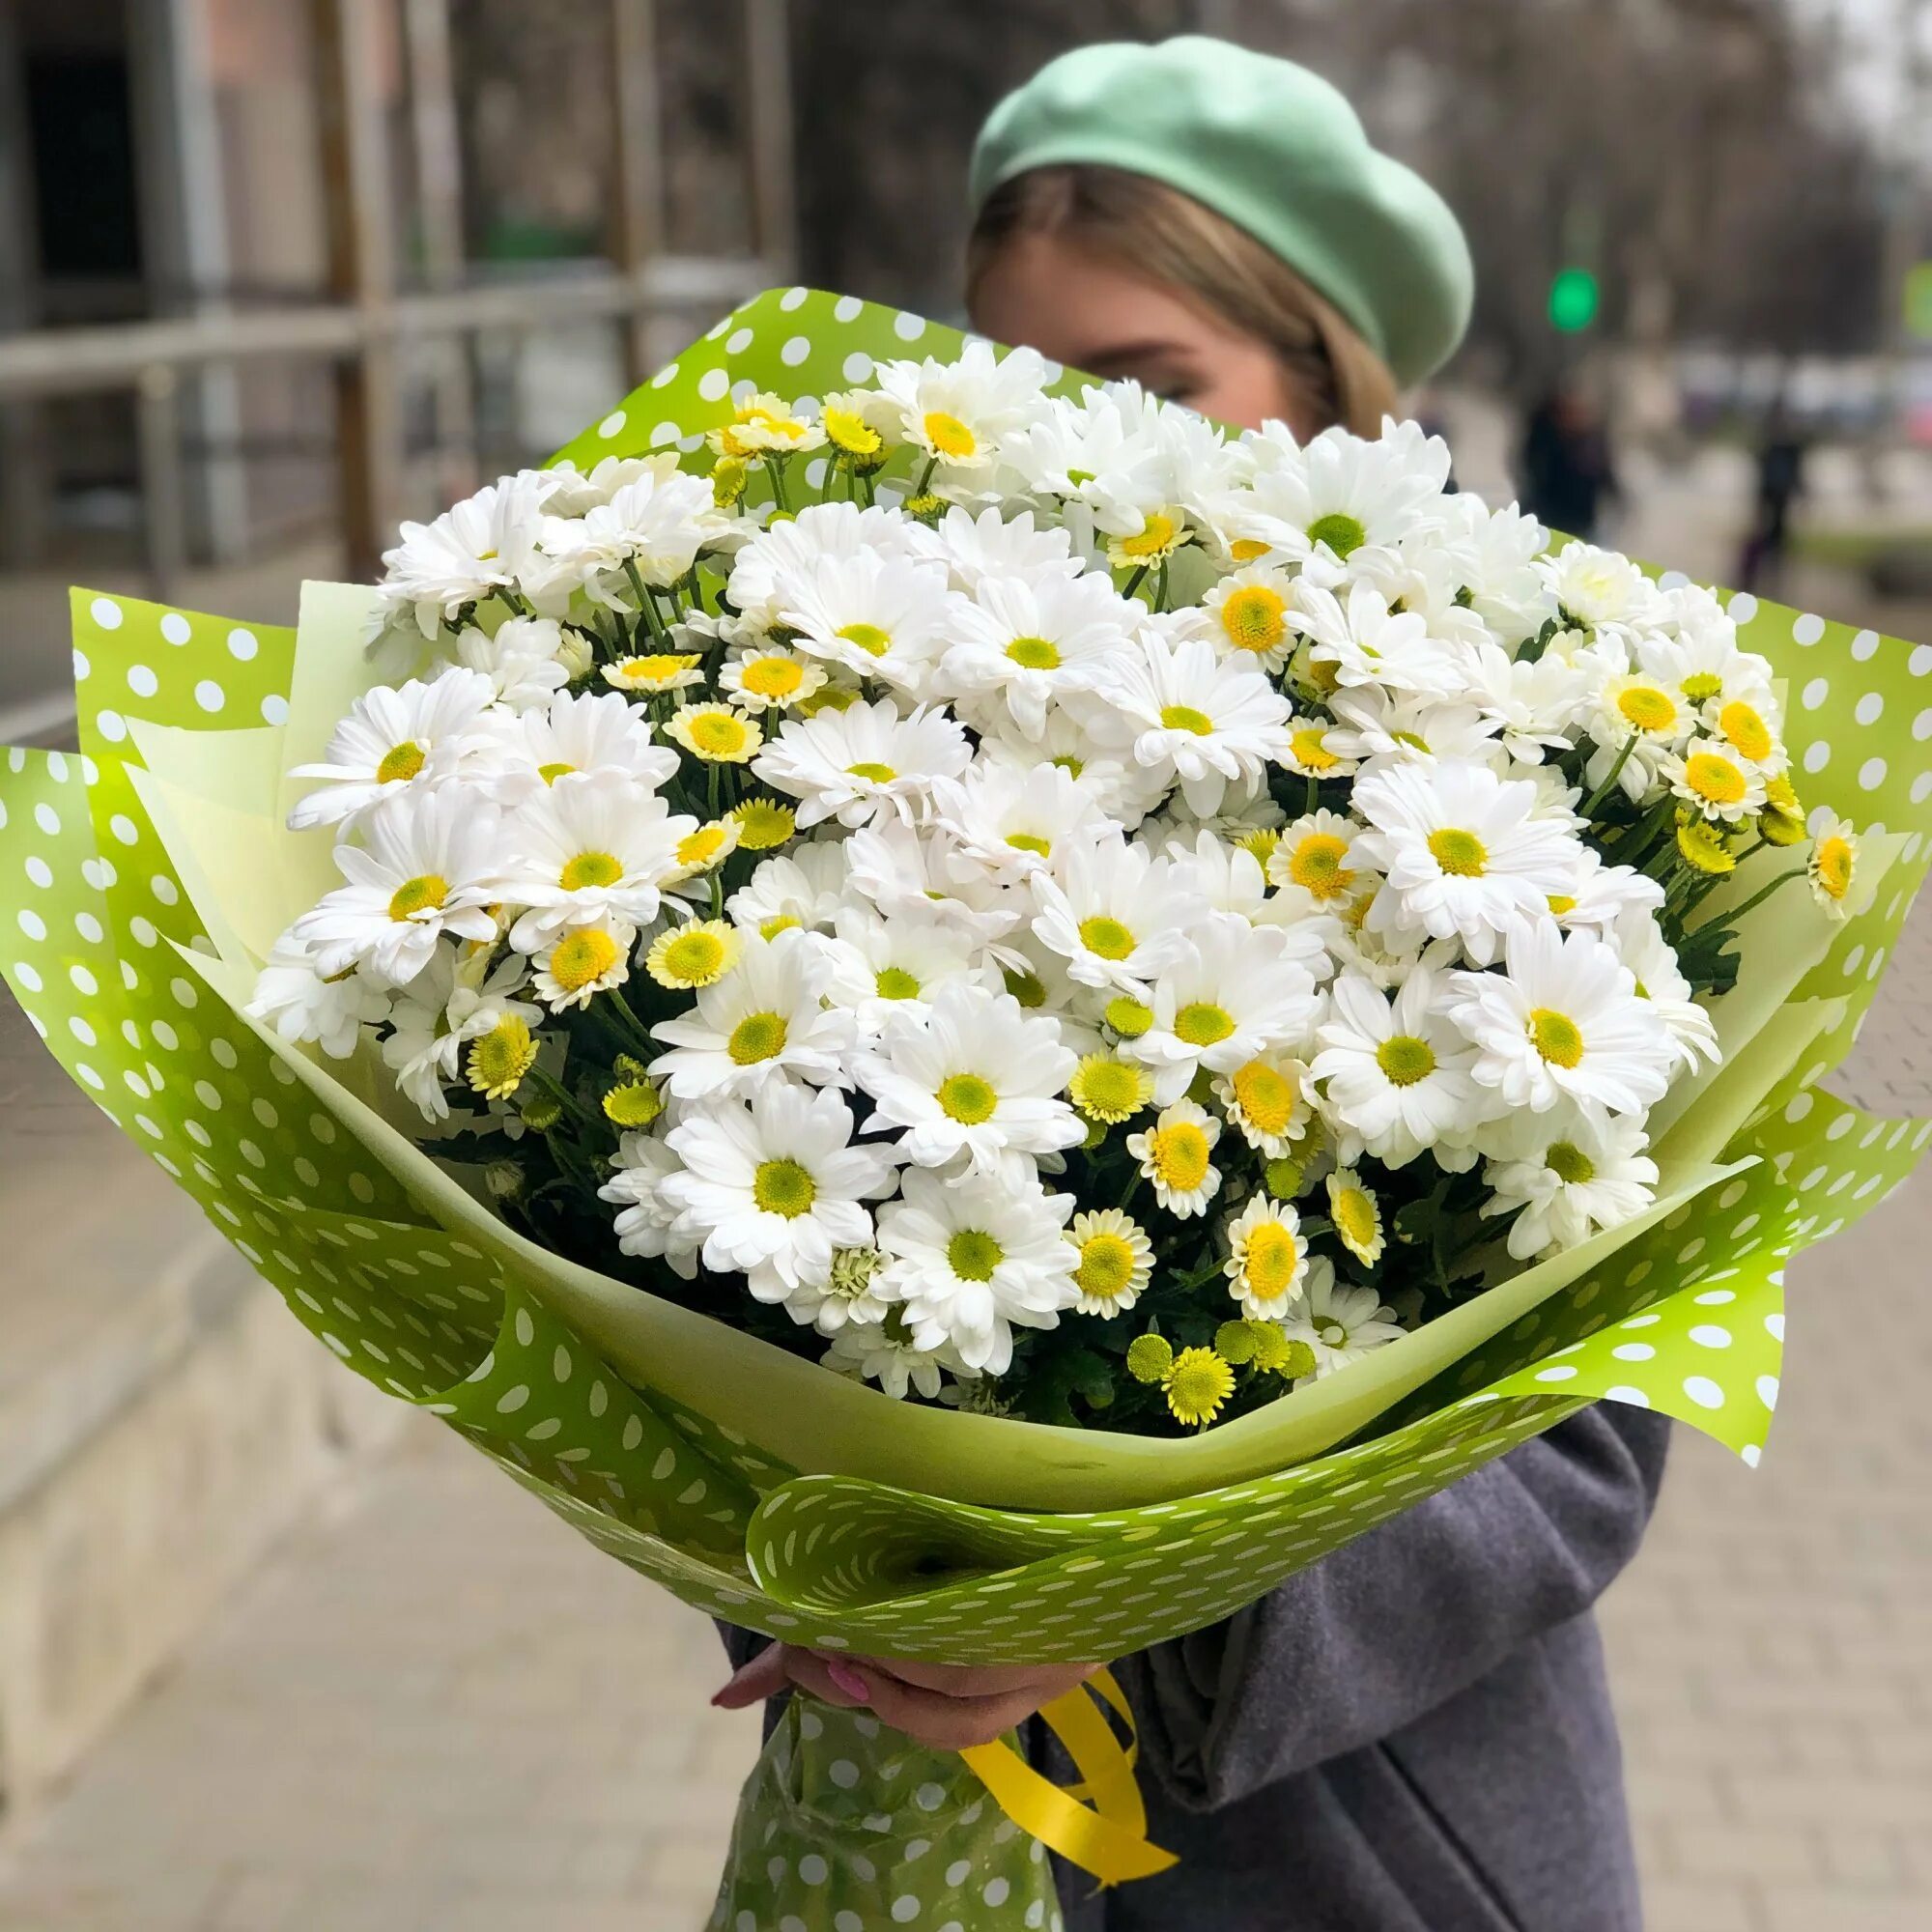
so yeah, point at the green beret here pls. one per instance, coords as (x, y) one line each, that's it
(1276, 150)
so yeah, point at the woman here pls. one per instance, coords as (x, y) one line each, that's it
(1414, 1735)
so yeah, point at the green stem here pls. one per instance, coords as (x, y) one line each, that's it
(1160, 586)
(1616, 770)
(1132, 1188)
(1314, 796)
(647, 615)
(775, 469)
(1133, 582)
(1735, 913)
(925, 476)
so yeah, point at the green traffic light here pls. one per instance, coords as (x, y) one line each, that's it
(1573, 299)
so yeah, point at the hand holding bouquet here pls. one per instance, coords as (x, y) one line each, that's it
(1151, 953)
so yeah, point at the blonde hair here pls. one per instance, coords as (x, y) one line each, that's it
(1171, 238)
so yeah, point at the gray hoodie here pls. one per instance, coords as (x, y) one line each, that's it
(1413, 1735)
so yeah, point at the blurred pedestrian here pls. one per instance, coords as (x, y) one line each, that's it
(1781, 482)
(1566, 473)
(1414, 1734)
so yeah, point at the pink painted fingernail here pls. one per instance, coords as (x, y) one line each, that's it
(848, 1679)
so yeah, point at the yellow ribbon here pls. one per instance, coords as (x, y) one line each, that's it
(1109, 1840)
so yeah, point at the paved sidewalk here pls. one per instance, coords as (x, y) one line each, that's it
(438, 1709)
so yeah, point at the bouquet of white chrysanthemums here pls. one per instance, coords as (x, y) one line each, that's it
(1121, 922)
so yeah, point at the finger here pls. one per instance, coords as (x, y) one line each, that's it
(752, 1683)
(834, 1683)
(947, 1723)
(952, 1679)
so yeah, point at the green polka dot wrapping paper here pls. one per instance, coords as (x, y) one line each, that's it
(143, 879)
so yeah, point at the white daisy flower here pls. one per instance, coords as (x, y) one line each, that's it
(1198, 720)
(1355, 1214)
(596, 733)
(424, 871)
(789, 552)
(972, 1076)
(714, 734)
(775, 1187)
(1710, 777)
(1339, 1322)
(1099, 451)
(1832, 866)
(1265, 1099)
(1006, 825)
(995, 546)
(655, 672)
(473, 550)
(1365, 641)
(1705, 667)
(877, 616)
(1316, 750)
(885, 1353)
(301, 1005)
(524, 661)
(1177, 1153)
(439, 1013)
(1376, 729)
(1594, 1175)
(855, 765)
(1124, 790)
(1267, 1259)
(972, 1255)
(1637, 722)
(647, 1224)
(1020, 647)
(1229, 996)
(1497, 550)
(568, 491)
(1397, 1075)
(1114, 1260)
(394, 742)
(1462, 853)
(886, 966)
(1117, 914)
(1748, 729)
(582, 961)
(1315, 865)
(763, 424)
(904, 870)
(1563, 1023)
(1338, 495)
(1531, 704)
(802, 886)
(656, 525)
(1598, 586)
(593, 849)
(764, 1020)
(955, 412)
(1251, 616)
(768, 678)
(1599, 895)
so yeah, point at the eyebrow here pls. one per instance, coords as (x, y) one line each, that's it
(1134, 352)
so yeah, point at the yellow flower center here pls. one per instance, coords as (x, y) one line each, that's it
(1272, 1260)
(868, 638)
(1403, 1058)
(1833, 861)
(1252, 617)
(1154, 538)
(717, 734)
(701, 847)
(425, 893)
(1181, 1156)
(1356, 1218)
(582, 958)
(1128, 1017)
(967, 1098)
(1107, 1089)
(973, 1254)
(1106, 1266)
(1106, 938)
(1265, 1096)
(401, 762)
(1198, 1383)
(695, 957)
(1185, 718)
(1701, 686)
(1569, 1163)
(551, 773)
(1715, 779)
(1030, 841)
(659, 669)
(1702, 847)
(947, 435)
(633, 1105)
(873, 771)
(784, 1187)
(1559, 903)
(1316, 866)
(771, 677)
(1033, 654)
(1460, 853)
(783, 922)
(895, 982)
(1744, 730)
(500, 1057)
(762, 824)
(1245, 550)
(757, 1037)
(1201, 1023)
(1310, 753)
(590, 870)
(1557, 1036)
(1647, 707)
(849, 431)
(1340, 531)
(1028, 989)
